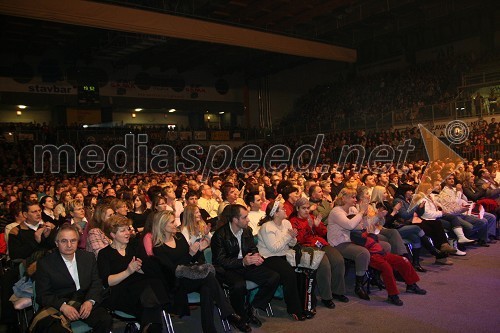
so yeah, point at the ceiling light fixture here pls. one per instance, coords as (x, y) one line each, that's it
(138, 110)
(22, 107)
(172, 110)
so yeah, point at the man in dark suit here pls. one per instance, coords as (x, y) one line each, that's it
(234, 250)
(68, 281)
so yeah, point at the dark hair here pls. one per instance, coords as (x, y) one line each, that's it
(107, 191)
(403, 188)
(226, 188)
(287, 191)
(26, 195)
(44, 198)
(312, 189)
(190, 194)
(87, 201)
(213, 180)
(282, 186)
(178, 192)
(250, 197)
(363, 179)
(230, 212)
(142, 199)
(27, 204)
(268, 216)
(154, 191)
(155, 201)
(15, 207)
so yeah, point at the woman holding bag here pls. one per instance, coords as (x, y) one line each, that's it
(276, 236)
(175, 256)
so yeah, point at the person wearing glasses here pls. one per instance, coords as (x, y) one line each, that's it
(68, 281)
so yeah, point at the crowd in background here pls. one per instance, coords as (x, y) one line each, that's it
(370, 97)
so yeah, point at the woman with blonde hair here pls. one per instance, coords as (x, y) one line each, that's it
(340, 224)
(326, 186)
(76, 217)
(193, 227)
(119, 206)
(175, 255)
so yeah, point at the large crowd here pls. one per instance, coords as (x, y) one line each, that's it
(146, 238)
(16, 158)
(368, 98)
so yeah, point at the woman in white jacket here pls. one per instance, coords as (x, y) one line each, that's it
(276, 236)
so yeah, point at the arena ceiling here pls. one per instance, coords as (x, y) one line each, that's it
(345, 23)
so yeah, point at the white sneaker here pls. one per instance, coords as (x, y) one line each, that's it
(460, 253)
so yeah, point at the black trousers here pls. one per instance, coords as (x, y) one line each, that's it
(210, 292)
(99, 319)
(266, 279)
(289, 281)
(434, 229)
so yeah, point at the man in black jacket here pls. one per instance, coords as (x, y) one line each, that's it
(68, 281)
(234, 250)
(33, 234)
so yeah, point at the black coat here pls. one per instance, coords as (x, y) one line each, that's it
(225, 247)
(54, 284)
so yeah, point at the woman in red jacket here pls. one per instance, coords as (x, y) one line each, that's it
(330, 274)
